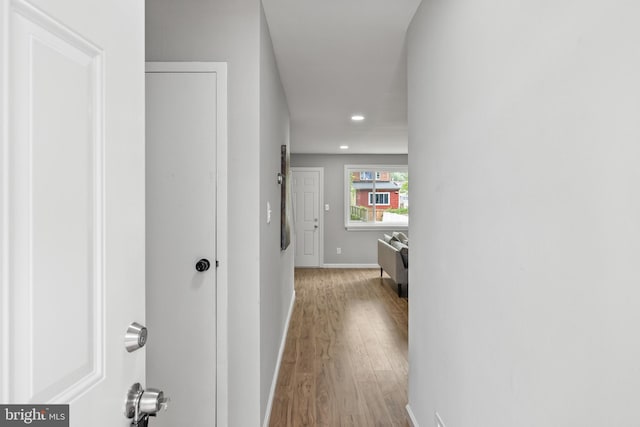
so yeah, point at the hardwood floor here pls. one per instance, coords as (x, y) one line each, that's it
(345, 359)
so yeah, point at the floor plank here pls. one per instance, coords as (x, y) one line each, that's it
(345, 359)
(304, 401)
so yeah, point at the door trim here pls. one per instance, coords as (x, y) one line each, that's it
(222, 221)
(320, 208)
(4, 200)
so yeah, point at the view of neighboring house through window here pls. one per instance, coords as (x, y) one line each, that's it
(376, 196)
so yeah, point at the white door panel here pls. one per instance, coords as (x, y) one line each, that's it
(72, 205)
(306, 191)
(181, 229)
(57, 182)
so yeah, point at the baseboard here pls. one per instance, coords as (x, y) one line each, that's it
(412, 418)
(351, 266)
(274, 382)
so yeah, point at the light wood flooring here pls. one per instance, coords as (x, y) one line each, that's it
(345, 359)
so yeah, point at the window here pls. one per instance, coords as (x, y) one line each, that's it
(376, 197)
(381, 199)
(368, 176)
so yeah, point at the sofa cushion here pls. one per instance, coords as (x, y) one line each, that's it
(404, 251)
(387, 238)
(400, 236)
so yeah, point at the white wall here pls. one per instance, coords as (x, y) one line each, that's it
(524, 144)
(234, 31)
(358, 247)
(276, 267)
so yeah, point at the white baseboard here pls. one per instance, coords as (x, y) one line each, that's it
(351, 266)
(412, 418)
(274, 382)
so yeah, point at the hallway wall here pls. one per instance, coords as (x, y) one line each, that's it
(524, 152)
(276, 267)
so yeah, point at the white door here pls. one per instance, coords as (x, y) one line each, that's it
(181, 232)
(306, 193)
(71, 204)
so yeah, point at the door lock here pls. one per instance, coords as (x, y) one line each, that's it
(135, 337)
(142, 404)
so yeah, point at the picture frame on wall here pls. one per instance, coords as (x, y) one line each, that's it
(285, 199)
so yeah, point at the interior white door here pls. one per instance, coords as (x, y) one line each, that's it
(306, 185)
(72, 204)
(181, 231)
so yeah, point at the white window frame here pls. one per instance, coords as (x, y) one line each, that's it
(357, 226)
(380, 193)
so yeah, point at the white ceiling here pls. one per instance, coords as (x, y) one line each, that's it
(338, 58)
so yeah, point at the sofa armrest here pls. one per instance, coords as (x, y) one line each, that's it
(390, 260)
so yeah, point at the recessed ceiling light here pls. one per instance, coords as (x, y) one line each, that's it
(357, 117)
(344, 147)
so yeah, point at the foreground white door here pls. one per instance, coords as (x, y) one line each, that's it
(182, 127)
(72, 203)
(306, 193)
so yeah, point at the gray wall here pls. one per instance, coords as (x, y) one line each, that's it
(358, 247)
(276, 267)
(525, 212)
(234, 31)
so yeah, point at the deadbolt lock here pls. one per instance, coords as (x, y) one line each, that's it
(135, 337)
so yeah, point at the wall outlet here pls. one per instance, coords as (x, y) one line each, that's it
(439, 422)
(339, 251)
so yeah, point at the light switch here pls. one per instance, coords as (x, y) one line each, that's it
(268, 213)
(326, 207)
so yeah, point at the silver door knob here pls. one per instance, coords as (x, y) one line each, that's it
(152, 401)
(141, 404)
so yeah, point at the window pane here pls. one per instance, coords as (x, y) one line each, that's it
(379, 197)
(392, 202)
(361, 206)
(387, 198)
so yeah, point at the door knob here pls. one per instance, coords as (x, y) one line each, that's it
(315, 226)
(203, 265)
(142, 404)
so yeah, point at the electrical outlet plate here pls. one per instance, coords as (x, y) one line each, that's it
(338, 251)
(439, 422)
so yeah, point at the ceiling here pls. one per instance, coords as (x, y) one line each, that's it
(338, 58)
